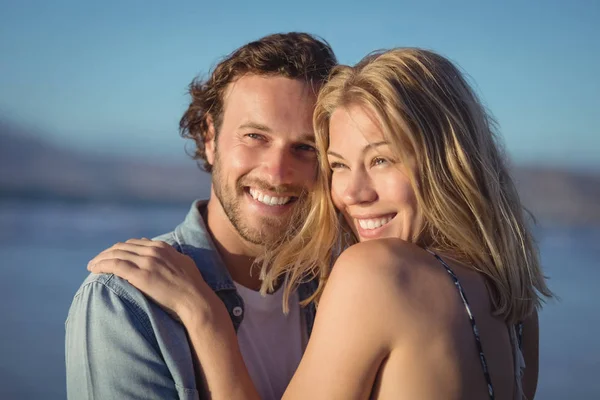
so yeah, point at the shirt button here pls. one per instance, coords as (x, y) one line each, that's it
(237, 311)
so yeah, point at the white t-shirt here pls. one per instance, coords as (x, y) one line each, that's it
(271, 342)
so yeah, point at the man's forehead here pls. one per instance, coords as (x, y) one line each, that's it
(268, 104)
(252, 87)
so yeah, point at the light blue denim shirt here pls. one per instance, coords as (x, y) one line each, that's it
(121, 345)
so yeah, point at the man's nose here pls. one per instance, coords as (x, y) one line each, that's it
(280, 167)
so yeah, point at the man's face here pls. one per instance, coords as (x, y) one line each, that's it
(264, 160)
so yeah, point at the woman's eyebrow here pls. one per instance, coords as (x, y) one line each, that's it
(375, 145)
(368, 147)
(333, 153)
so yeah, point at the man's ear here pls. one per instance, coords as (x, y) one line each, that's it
(209, 140)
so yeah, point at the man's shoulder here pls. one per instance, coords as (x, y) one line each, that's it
(119, 287)
(105, 290)
(111, 283)
(129, 336)
(168, 238)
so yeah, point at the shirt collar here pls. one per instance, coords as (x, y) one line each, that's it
(195, 242)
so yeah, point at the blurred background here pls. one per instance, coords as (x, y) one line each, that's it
(90, 98)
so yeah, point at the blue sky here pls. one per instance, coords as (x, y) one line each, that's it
(112, 75)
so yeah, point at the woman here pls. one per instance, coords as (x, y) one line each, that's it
(439, 269)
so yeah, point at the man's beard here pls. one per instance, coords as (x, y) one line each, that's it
(271, 230)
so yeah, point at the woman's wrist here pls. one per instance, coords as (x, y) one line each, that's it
(218, 359)
(202, 309)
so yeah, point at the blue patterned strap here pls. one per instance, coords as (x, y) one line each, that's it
(519, 329)
(463, 296)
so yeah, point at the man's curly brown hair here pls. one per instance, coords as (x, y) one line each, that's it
(292, 55)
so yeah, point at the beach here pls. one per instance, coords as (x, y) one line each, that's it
(45, 246)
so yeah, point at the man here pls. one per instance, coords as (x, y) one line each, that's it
(251, 121)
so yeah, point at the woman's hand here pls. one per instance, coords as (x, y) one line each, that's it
(168, 277)
(173, 281)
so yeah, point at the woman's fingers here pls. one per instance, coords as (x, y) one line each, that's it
(110, 253)
(148, 243)
(147, 247)
(140, 242)
(141, 261)
(133, 248)
(143, 247)
(122, 268)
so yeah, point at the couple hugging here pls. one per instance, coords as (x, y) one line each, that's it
(362, 239)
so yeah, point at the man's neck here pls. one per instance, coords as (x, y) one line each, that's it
(237, 253)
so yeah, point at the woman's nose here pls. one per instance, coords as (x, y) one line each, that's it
(359, 189)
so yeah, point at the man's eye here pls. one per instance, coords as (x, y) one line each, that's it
(255, 136)
(306, 147)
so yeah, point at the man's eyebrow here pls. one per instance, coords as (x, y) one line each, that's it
(255, 125)
(307, 137)
(364, 150)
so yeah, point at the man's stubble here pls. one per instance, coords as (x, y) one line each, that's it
(270, 230)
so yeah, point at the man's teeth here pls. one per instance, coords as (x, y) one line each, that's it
(268, 200)
(374, 223)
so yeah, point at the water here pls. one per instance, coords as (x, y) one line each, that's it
(44, 249)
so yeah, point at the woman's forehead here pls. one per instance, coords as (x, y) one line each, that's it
(355, 124)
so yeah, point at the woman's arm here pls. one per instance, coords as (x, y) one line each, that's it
(173, 281)
(530, 346)
(219, 363)
(351, 336)
(350, 340)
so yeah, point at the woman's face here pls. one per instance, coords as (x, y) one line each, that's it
(370, 185)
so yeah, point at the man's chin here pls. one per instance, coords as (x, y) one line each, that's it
(267, 234)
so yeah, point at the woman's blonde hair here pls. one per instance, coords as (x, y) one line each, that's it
(471, 210)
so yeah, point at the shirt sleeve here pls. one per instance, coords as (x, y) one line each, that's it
(111, 350)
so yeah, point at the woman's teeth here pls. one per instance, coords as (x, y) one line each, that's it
(268, 200)
(374, 223)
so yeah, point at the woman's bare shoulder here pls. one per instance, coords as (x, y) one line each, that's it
(382, 259)
(401, 277)
(388, 252)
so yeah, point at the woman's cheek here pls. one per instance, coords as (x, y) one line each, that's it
(336, 194)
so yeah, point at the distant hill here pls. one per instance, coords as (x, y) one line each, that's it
(32, 168)
(559, 195)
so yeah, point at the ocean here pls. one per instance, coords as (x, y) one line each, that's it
(44, 248)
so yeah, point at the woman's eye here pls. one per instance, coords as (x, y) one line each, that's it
(336, 165)
(378, 161)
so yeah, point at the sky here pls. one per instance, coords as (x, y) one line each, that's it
(111, 76)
